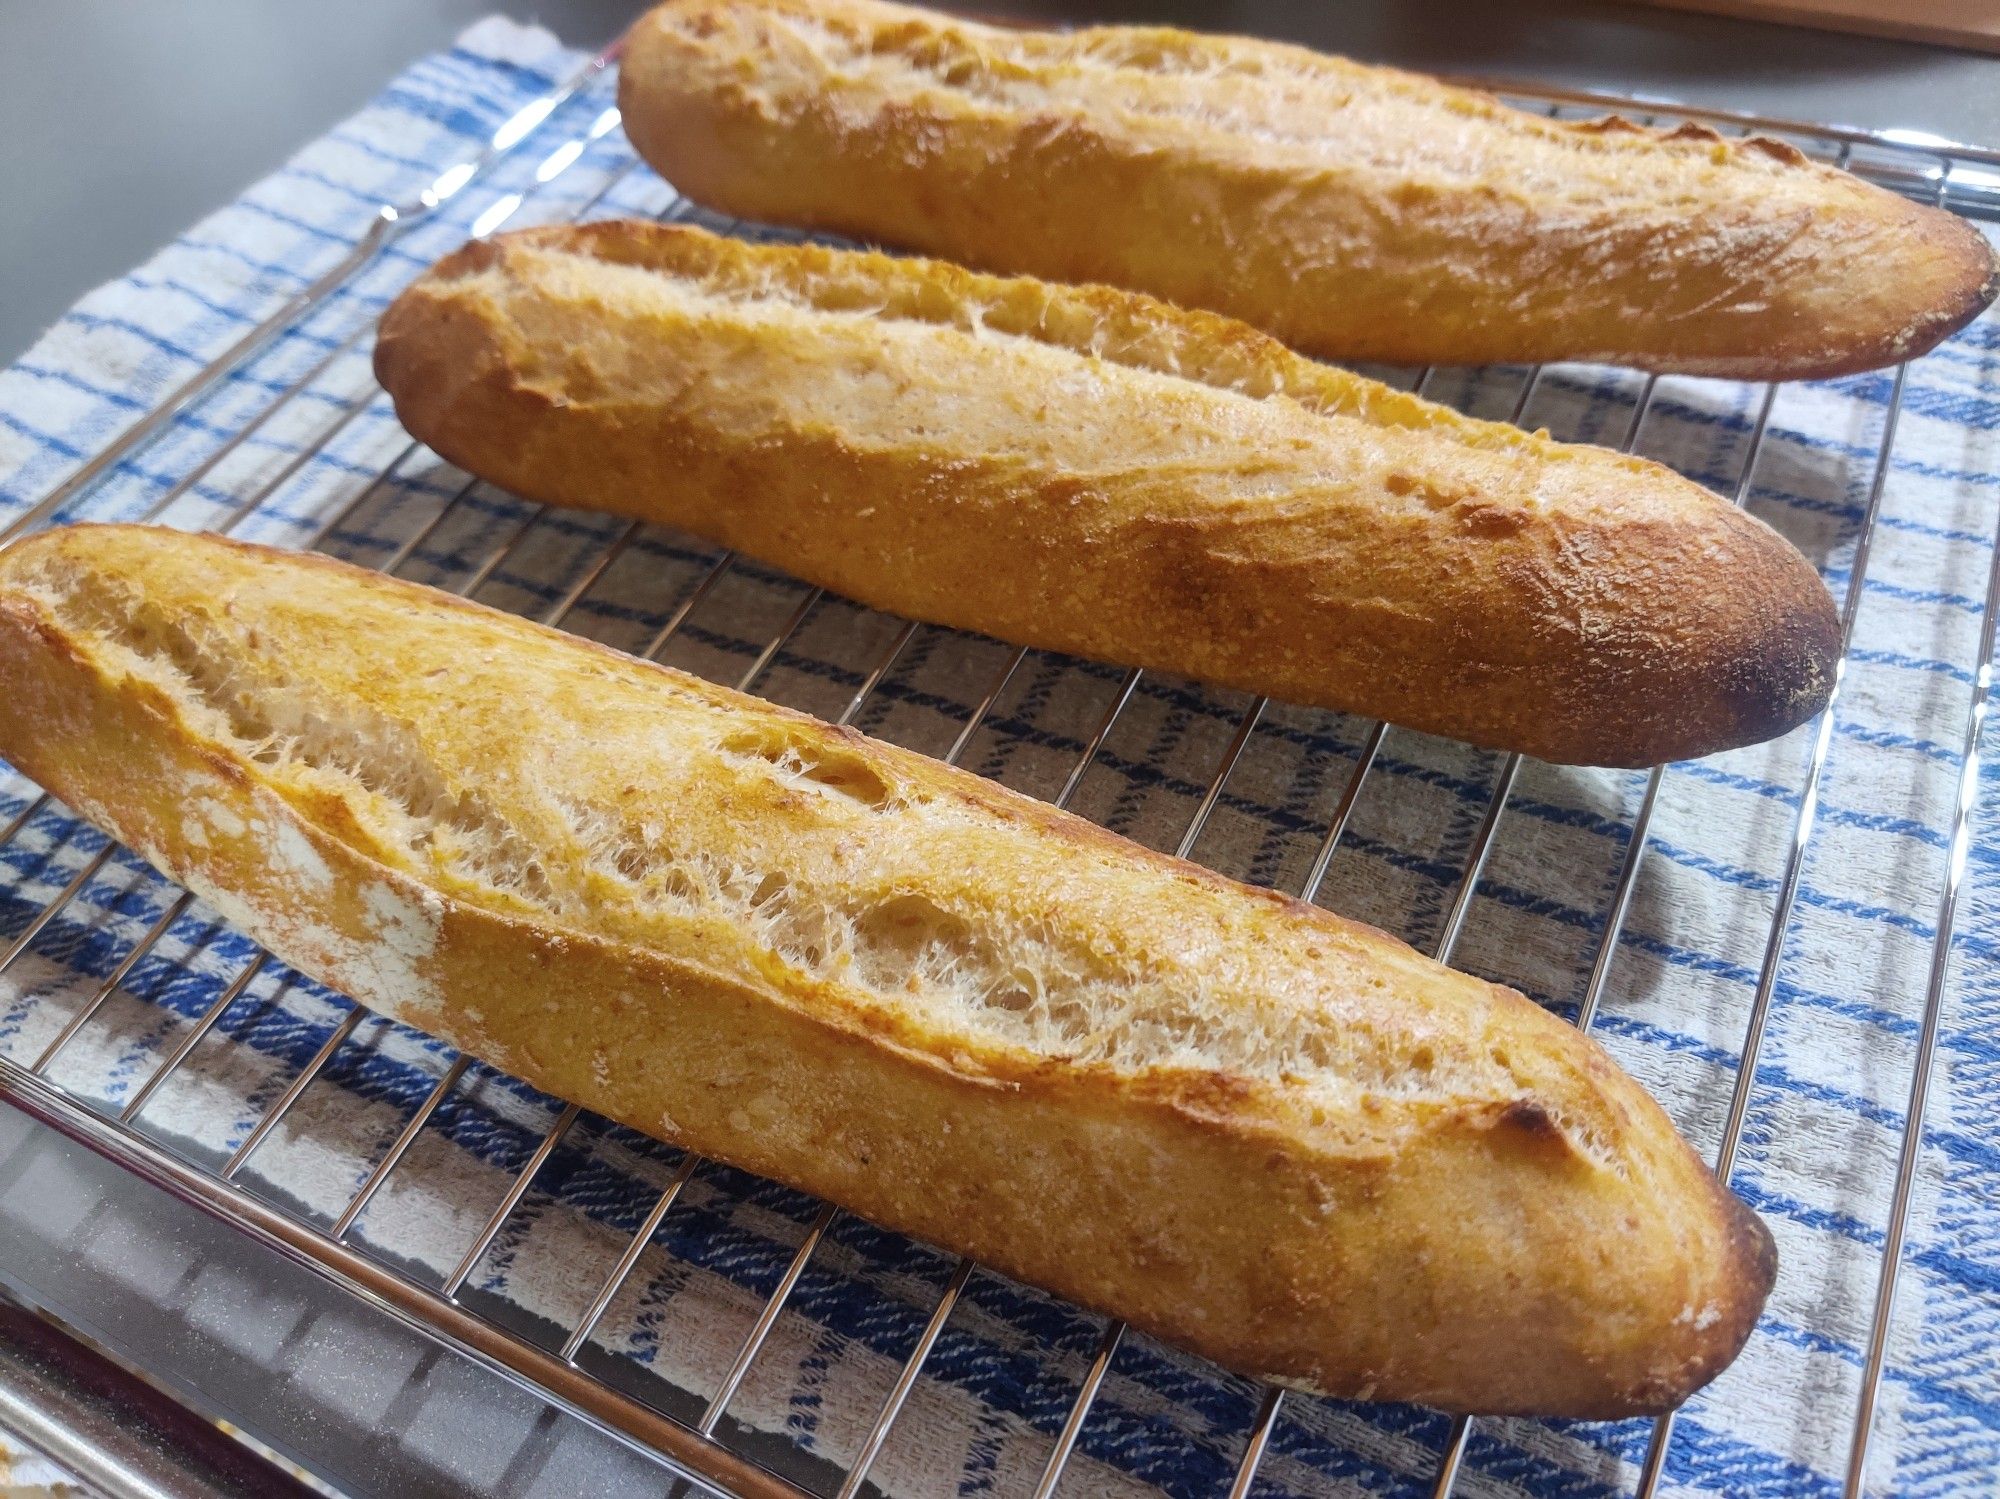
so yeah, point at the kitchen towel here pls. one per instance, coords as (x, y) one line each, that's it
(1819, 1144)
(26, 1474)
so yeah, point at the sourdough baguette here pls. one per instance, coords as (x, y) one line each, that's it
(1093, 471)
(1356, 212)
(1279, 1138)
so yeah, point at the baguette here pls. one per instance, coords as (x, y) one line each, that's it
(1279, 1138)
(1355, 212)
(1093, 471)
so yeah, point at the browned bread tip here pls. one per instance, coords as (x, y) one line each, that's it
(1278, 1138)
(1093, 471)
(1357, 212)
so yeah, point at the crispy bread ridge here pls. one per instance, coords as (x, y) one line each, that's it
(1357, 212)
(1090, 470)
(1277, 1137)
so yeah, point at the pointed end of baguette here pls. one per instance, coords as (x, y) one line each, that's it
(1948, 274)
(1781, 672)
(1970, 279)
(1707, 1335)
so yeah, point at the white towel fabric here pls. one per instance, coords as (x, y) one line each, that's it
(1819, 1150)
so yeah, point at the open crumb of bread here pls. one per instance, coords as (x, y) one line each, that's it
(1278, 1137)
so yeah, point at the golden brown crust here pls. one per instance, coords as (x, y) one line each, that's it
(1356, 212)
(1276, 1137)
(1094, 471)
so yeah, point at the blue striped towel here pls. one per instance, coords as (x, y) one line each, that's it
(1824, 1118)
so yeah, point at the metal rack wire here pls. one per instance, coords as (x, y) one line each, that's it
(1956, 176)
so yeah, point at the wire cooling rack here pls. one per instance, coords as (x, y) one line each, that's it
(1164, 762)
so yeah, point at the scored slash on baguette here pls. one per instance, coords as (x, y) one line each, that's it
(1357, 212)
(1279, 1138)
(1094, 471)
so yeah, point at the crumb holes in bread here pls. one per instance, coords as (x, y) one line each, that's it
(614, 843)
(827, 767)
(627, 865)
(908, 942)
(280, 725)
(1015, 993)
